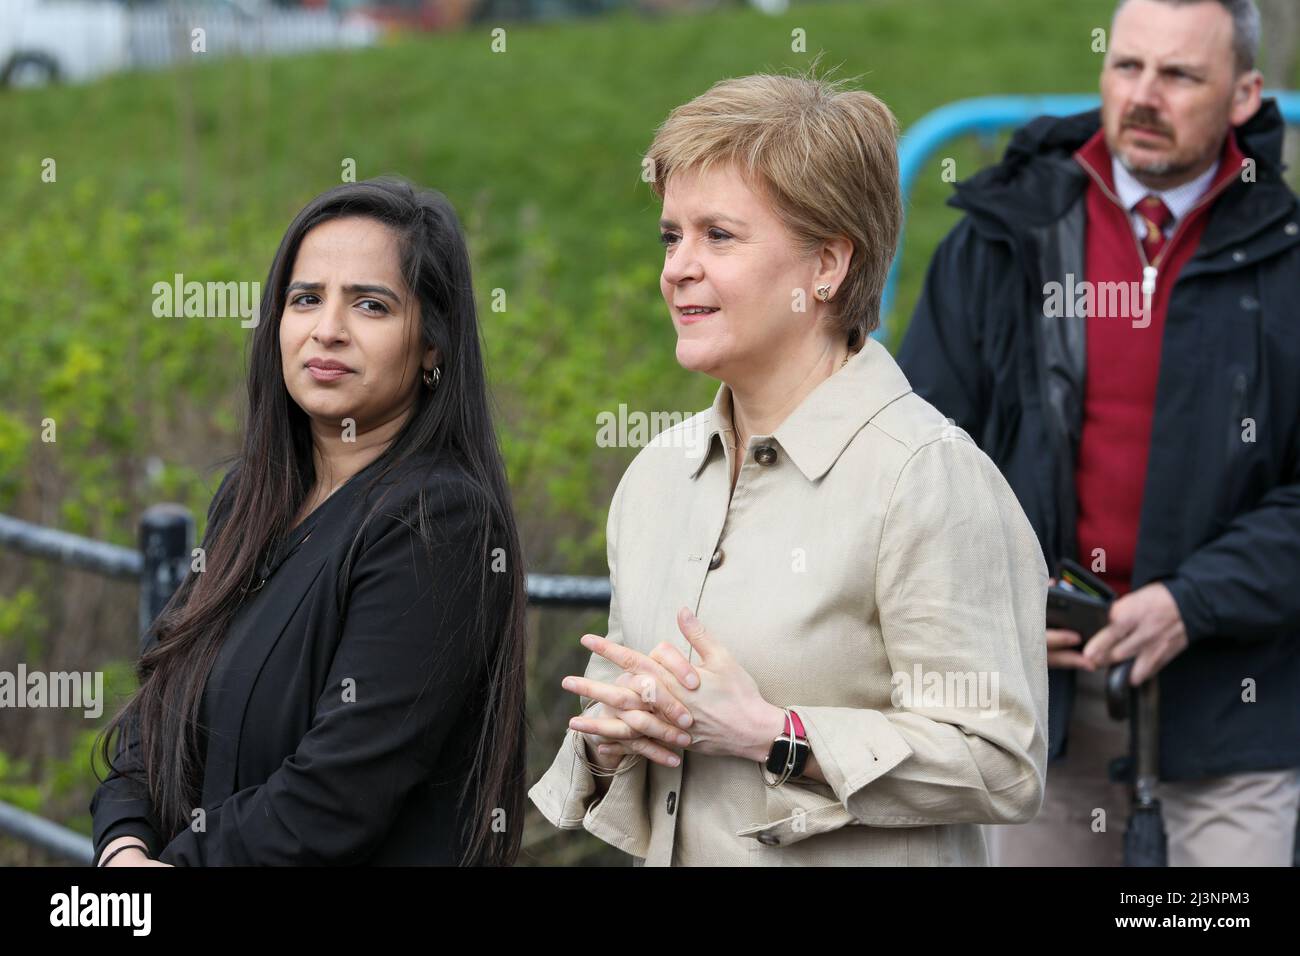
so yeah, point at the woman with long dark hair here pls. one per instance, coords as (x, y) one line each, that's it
(341, 679)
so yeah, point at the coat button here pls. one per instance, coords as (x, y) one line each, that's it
(1249, 303)
(715, 562)
(1291, 228)
(768, 838)
(765, 455)
(672, 801)
(1239, 256)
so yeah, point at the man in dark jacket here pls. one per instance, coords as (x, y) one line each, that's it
(1116, 320)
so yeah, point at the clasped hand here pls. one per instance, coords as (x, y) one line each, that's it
(662, 702)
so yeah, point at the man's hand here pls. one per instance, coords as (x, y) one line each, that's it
(1060, 644)
(1060, 654)
(1144, 624)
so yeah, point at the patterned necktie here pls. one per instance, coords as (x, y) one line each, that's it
(1156, 215)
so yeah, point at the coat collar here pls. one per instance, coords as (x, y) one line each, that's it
(817, 432)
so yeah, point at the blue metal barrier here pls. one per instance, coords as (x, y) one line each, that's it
(988, 115)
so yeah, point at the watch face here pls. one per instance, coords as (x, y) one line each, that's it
(780, 753)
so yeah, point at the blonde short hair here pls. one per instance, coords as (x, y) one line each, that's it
(825, 157)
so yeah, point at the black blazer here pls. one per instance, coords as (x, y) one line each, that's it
(340, 738)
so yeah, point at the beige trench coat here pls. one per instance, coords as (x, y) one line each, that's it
(872, 571)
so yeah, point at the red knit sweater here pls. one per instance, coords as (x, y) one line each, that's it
(1123, 361)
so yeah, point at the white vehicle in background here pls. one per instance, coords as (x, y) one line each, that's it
(48, 41)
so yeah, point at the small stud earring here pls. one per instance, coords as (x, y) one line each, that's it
(824, 292)
(431, 378)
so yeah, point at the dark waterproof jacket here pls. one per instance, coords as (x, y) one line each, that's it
(1220, 520)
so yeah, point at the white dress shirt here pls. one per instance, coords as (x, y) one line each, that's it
(1179, 200)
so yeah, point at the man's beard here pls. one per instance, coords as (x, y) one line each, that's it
(1148, 119)
(1162, 167)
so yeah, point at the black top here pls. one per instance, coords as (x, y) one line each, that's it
(341, 738)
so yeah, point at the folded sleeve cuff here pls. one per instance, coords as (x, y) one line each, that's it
(1198, 619)
(796, 810)
(853, 747)
(566, 797)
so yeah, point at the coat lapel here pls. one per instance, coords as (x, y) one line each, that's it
(258, 626)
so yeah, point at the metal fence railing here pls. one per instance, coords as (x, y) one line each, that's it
(166, 541)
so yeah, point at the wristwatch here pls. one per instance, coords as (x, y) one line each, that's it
(779, 755)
